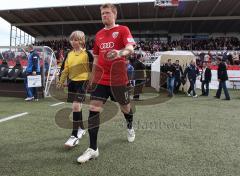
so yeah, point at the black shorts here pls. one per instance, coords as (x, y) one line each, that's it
(120, 94)
(77, 91)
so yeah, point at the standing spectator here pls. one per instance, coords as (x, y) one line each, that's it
(130, 71)
(206, 77)
(192, 72)
(163, 77)
(170, 70)
(178, 75)
(222, 78)
(33, 68)
(139, 77)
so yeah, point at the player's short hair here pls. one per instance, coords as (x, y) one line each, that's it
(111, 6)
(79, 35)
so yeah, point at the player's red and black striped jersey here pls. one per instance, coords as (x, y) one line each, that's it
(111, 72)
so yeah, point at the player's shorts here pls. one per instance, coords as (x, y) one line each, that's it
(120, 94)
(77, 91)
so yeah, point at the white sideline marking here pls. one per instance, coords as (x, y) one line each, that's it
(13, 117)
(56, 104)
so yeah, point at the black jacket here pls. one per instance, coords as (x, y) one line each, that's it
(178, 71)
(192, 72)
(207, 75)
(139, 70)
(222, 72)
(170, 68)
(16, 71)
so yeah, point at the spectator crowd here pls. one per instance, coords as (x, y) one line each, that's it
(223, 44)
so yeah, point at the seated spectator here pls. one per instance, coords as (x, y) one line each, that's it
(4, 68)
(236, 60)
(16, 71)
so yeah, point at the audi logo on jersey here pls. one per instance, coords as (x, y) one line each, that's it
(107, 45)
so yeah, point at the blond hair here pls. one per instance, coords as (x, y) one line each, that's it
(111, 6)
(79, 35)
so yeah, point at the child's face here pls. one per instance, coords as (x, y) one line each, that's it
(75, 43)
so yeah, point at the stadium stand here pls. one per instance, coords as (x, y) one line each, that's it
(218, 44)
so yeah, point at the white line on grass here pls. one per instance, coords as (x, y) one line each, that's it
(13, 117)
(56, 104)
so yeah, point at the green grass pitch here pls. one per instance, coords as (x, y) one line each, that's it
(183, 136)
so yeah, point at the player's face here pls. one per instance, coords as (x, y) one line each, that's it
(108, 17)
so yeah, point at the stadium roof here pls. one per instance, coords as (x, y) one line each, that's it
(198, 16)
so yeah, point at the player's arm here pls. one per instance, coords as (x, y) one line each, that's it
(128, 50)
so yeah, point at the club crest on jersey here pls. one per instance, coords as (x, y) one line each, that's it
(115, 34)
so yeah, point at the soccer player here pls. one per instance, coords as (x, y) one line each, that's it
(112, 44)
(76, 68)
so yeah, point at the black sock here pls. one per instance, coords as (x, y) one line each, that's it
(129, 119)
(93, 126)
(77, 122)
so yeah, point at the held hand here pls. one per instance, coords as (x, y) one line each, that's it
(34, 73)
(113, 54)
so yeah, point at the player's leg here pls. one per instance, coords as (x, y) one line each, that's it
(78, 128)
(77, 96)
(98, 98)
(128, 114)
(122, 95)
